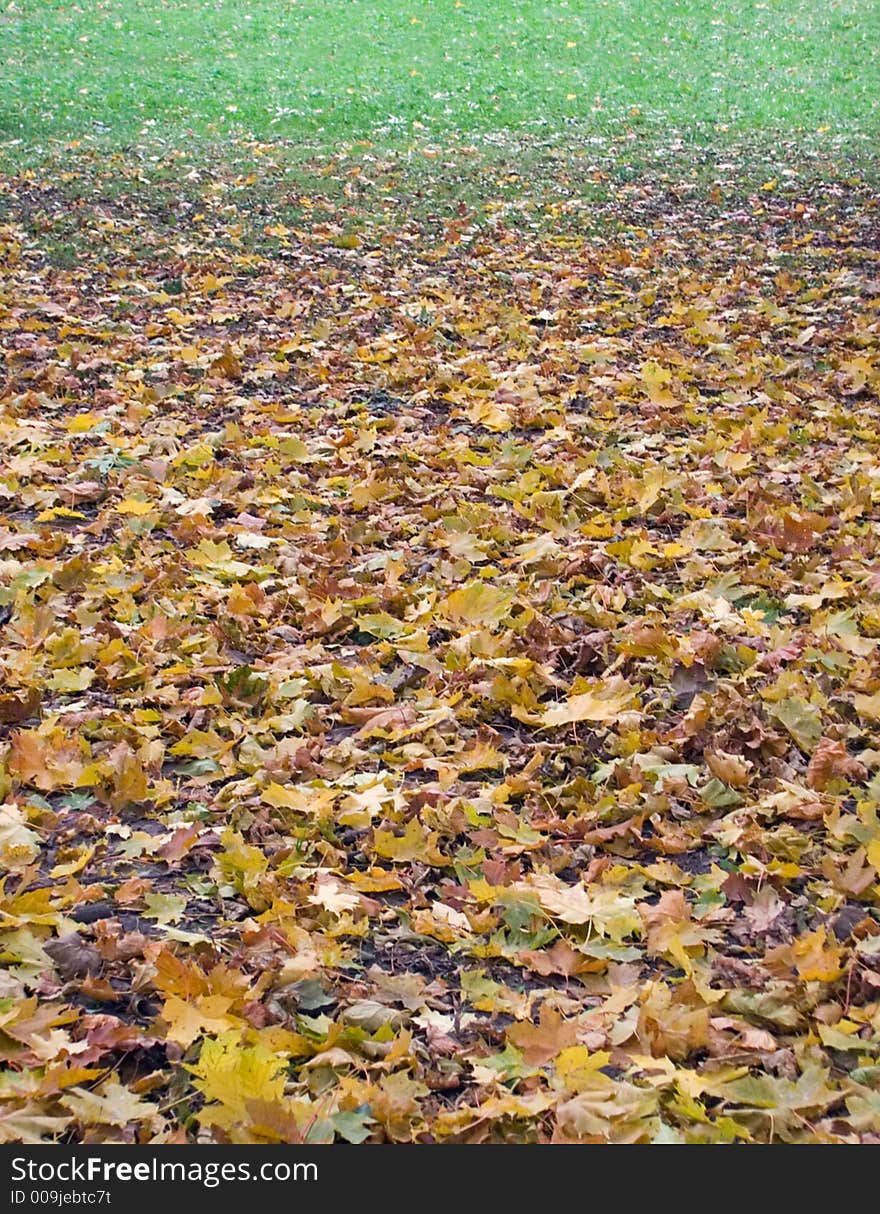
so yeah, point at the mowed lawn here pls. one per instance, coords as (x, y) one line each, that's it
(320, 71)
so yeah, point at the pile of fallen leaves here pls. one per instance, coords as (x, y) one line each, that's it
(440, 682)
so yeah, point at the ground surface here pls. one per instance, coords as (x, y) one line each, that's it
(439, 612)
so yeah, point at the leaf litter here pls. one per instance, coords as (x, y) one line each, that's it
(441, 680)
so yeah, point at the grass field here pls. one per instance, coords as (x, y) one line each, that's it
(322, 71)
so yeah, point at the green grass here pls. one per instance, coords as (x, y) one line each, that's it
(321, 71)
(562, 114)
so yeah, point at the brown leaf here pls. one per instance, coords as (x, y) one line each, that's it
(543, 1041)
(830, 761)
(227, 365)
(730, 769)
(72, 957)
(179, 843)
(18, 706)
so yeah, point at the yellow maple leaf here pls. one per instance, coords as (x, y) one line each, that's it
(873, 854)
(332, 895)
(19, 845)
(133, 505)
(478, 604)
(602, 702)
(229, 1074)
(178, 318)
(576, 1065)
(46, 516)
(868, 706)
(657, 381)
(491, 415)
(82, 422)
(49, 758)
(376, 881)
(69, 680)
(187, 1020)
(415, 843)
(814, 959)
(291, 796)
(75, 864)
(110, 1104)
